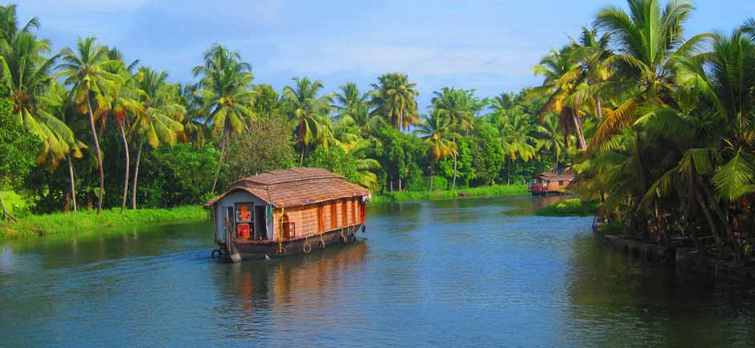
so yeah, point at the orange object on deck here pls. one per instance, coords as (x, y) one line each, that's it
(243, 231)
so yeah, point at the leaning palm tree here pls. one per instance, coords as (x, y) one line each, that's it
(436, 130)
(54, 106)
(85, 71)
(227, 97)
(561, 78)
(309, 110)
(394, 99)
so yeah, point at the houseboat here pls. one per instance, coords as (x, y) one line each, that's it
(545, 183)
(286, 212)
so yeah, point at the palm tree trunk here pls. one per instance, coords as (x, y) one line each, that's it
(128, 167)
(432, 176)
(578, 128)
(136, 174)
(401, 122)
(223, 147)
(599, 104)
(640, 167)
(453, 182)
(73, 181)
(302, 147)
(99, 156)
(6, 214)
(508, 172)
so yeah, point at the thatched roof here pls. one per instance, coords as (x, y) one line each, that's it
(296, 187)
(556, 177)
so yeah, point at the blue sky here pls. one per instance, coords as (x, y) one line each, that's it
(489, 45)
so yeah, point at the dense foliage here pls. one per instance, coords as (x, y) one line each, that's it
(664, 124)
(117, 133)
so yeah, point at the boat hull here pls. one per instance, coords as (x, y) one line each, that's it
(257, 250)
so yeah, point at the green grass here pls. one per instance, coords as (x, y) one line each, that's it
(12, 199)
(85, 221)
(569, 207)
(476, 192)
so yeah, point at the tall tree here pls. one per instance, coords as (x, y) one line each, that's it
(227, 96)
(310, 110)
(436, 130)
(394, 99)
(158, 117)
(85, 71)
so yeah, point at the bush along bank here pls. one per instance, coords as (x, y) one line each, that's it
(570, 207)
(476, 192)
(88, 220)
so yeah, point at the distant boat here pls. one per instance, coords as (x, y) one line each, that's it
(545, 183)
(286, 212)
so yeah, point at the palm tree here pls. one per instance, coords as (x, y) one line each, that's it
(120, 102)
(348, 98)
(85, 71)
(502, 102)
(227, 96)
(394, 99)
(436, 130)
(455, 106)
(54, 106)
(551, 138)
(650, 39)
(516, 140)
(562, 76)
(310, 111)
(158, 117)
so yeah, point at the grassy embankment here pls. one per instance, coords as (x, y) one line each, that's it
(477, 192)
(69, 223)
(569, 207)
(89, 221)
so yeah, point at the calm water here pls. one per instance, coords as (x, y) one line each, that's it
(458, 273)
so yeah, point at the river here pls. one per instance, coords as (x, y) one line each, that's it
(460, 273)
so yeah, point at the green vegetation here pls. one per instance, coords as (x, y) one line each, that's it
(113, 132)
(656, 125)
(476, 192)
(89, 220)
(663, 124)
(570, 207)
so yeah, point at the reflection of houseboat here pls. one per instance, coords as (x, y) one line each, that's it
(285, 212)
(545, 183)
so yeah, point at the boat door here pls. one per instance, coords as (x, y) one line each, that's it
(260, 225)
(229, 223)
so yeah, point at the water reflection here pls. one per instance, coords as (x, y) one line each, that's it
(451, 273)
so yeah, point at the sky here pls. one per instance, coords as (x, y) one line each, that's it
(487, 45)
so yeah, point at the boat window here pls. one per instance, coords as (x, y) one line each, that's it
(320, 218)
(560, 183)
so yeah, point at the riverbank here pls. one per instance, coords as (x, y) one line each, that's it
(476, 192)
(570, 207)
(88, 220)
(682, 259)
